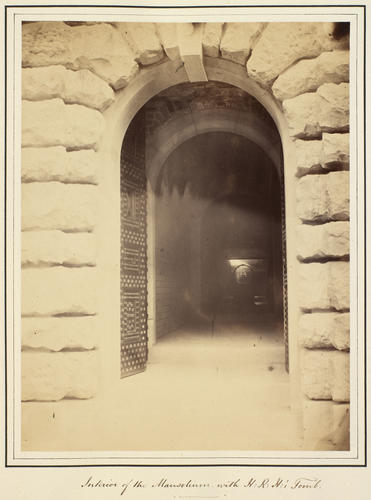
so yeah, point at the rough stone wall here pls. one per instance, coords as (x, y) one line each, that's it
(70, 76)
(61, 125)
(315, 99)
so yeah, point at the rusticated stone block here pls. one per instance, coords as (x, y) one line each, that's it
(168, 36)
(103, 50)
(74, 87)
(53, 123)
(143, 41)
(335, 150)
(317, 437)
(324, 330)
(46, 43)
(303, 115)
(326, 110)
(322, 241)
(340, 332)
(334, 106)
(211, 39)
(100, 48)
(340, 426)
(308, 156)
(340, 368)
(326, 375)
(59, 291)
(309, 74)
(329, 153)
(333, 433)
(51, 248)
(56, 164)
(55, 334)
(53, 376)
(239, 39)
(282, 44)
(317, 376)
(324, 286)
(52, 205)
(322, 198)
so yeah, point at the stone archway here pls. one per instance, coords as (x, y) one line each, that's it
(65, 120)
(241, 123)
(187, 117)
(119, 116)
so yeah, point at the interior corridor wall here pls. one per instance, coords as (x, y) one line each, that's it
(178, 260)
(172, 262)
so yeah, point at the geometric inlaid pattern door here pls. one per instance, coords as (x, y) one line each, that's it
(133, 267)
(284, 269)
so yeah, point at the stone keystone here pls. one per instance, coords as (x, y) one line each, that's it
(190, 48)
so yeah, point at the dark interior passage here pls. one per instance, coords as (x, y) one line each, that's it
(218, 235)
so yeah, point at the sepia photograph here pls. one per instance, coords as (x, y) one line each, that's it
(156, 151)
(190, 244)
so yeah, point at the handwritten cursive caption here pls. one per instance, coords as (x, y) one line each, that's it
(300, 483)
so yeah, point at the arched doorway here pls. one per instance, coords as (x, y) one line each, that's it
(213, 225)
(219, 262)
(215, 200)
(118, 118)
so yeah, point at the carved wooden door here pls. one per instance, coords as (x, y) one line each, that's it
(134, 342)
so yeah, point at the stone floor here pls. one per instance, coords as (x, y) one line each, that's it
(220, 389)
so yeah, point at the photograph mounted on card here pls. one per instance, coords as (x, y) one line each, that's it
(190, 239)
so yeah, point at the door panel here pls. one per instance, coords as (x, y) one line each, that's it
(284, 270)
(134, 342)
